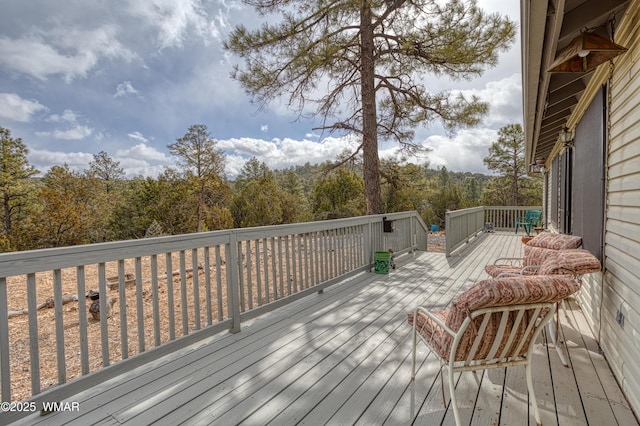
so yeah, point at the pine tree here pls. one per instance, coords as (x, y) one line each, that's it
(360, 65)
(15, 188)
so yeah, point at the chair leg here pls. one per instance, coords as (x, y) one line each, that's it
(553, 334)
(454, 400)
(532, 394)
(413, 353)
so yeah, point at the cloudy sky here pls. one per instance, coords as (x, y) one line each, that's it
(130, 76)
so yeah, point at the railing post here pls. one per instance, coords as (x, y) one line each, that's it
(448, 240)
(233, 297)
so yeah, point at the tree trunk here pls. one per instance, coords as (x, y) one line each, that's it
(371, 163)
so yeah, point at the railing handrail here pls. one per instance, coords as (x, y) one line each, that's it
(463, 225)
(257, 268)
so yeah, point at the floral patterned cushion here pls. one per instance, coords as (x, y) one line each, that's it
(485, 294)
(534, 256)
(495, 270)
(578, 261)
(555, 241)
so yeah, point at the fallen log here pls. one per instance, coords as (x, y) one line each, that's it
(49, 303)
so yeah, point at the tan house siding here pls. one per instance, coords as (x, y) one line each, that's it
(604, 296)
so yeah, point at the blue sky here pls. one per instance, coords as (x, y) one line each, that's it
(129, 77)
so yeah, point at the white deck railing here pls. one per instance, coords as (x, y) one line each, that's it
(167, 292)
(462, 225)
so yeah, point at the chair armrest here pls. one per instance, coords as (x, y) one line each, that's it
(433, 318)
(526, 270)
(513, 261)
(531, 268)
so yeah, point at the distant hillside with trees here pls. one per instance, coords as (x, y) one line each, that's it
(65, 207)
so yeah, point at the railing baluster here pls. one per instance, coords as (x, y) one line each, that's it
(104, 324)
(265, 257)
(258, 278)
(5, 362)
(140, 305)
(273, 269)
(122, 303)
(280, 267)
(170, 299)
(196, 287)
(249, 273)
(233, 266)
(155, 299)
(59, 320)
(296, 258)
(219, 284)
(34, 356)
(308, 260)
(288, 258)
(184, 302)
(207, 285)
(240, 272)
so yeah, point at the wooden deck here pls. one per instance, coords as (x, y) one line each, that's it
(343, 357)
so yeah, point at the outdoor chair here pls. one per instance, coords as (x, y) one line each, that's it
(572, 262)
(493, 324)
(529, 221)
(535, 252)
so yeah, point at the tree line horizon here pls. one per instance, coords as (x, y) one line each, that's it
(99, 204)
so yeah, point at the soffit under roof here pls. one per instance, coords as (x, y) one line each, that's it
(548, 26)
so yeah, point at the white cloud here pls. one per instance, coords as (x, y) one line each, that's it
(462, 152)
(264, 128)
(45, 159)
(143, 151)
(137, 136)
(283, 153)
(67, 116)
(76, 133)
(125, 88)
(505, 100)
(64, 50)
(15, 108)
(173, 19)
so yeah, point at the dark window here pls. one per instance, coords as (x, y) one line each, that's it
(588, 176)
(566, 187)
(555, 171)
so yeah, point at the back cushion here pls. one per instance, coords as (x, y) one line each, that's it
(555, 241)
(534, 256)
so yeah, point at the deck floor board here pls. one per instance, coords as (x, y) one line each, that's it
(344, 357)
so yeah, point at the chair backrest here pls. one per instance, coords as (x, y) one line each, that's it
(533, 216)
(499, 334)
(496, 293)
(535, 256)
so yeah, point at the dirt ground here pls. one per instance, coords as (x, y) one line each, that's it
(436, 242)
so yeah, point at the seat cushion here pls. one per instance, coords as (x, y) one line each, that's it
(578, 261)
(555, 241)
(486, 294)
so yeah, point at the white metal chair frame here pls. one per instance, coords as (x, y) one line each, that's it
(534, 321)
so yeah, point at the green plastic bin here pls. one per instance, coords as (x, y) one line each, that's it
(382, 259)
